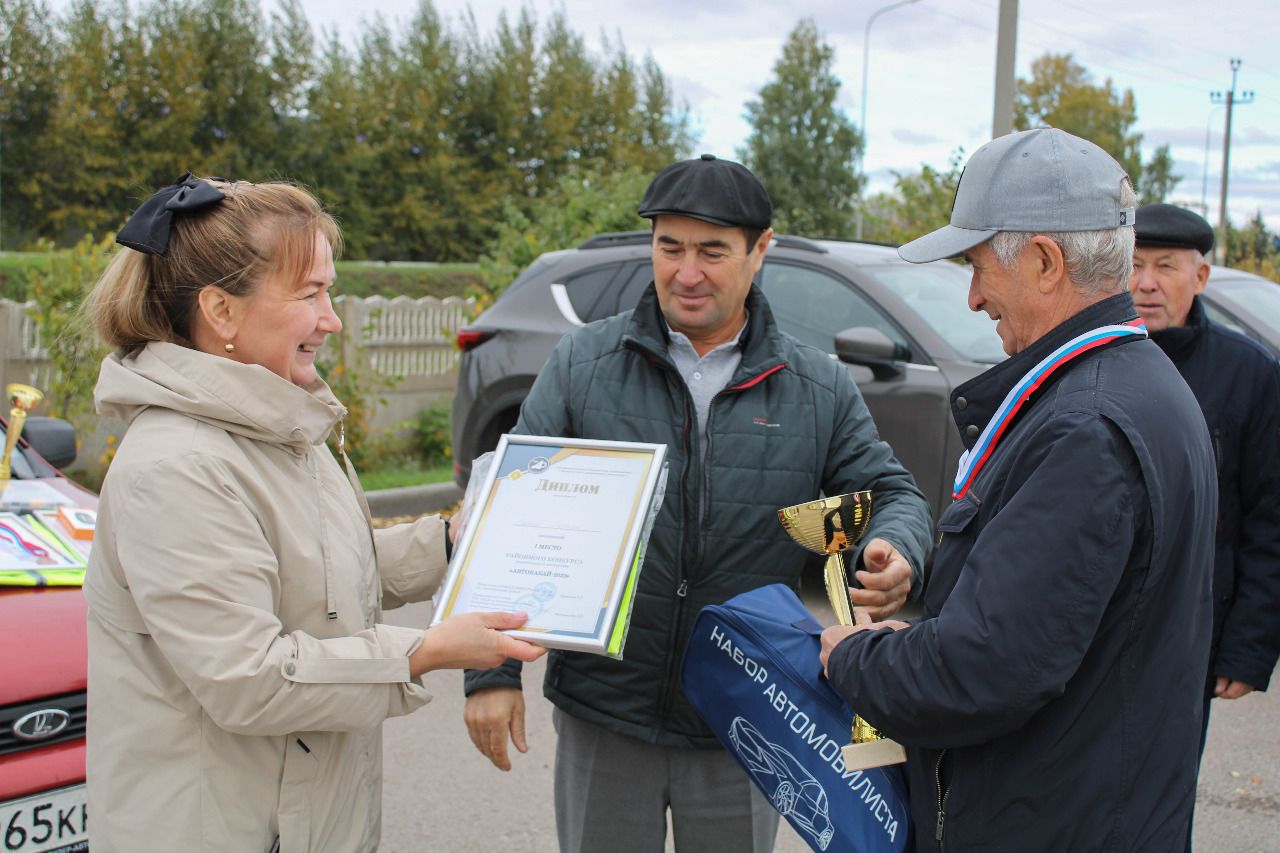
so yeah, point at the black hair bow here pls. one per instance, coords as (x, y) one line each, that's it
(148, 229)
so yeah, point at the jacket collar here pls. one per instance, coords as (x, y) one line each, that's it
(974, 403)
(761, 342)
(1178, 340)
(245, 399)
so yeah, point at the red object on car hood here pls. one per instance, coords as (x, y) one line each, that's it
(42, 632)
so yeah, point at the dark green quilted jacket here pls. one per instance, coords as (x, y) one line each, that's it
(790, 425)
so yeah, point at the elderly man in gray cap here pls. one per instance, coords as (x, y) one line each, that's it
(1237, 383)
(1050, 697)
(753, 421)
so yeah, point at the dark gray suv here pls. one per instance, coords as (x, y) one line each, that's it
(1247, 303)
(904, 331)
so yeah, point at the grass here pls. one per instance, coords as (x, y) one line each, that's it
(406, 473)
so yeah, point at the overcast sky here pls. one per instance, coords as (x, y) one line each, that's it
(932, 70)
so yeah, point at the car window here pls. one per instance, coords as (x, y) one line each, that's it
(591, 292)
(1260, 297)
(813, 306)
(1223, 318)
(937, 292)
(638, 279)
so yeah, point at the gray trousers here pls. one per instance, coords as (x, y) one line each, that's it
(613, 793)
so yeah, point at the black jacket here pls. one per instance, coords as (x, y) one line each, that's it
(790, 424)
(1050, 697)
(1237, 383)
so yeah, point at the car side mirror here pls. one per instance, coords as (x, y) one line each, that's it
(52, 438)
(872, 348)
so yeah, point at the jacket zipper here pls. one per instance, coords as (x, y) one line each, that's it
(671, 682)
(942, 801)
(682, 589)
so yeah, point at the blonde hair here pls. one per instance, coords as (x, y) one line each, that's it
(258, 230)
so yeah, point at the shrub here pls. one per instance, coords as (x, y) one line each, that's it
(431, 432)
(58, 286)
(371, 278)
(16, 269)
(359, 387)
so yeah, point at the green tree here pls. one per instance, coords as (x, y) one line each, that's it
(802, 146)
(88, 185)
(1062, 93)
(666, 131)
(581, 206)
(235, 130)
(164, 101)
(291, 67)
(1254, 248)
(496, 112)
(334, 159)
(1157, 180)
(30, 56)
(920, 203)
(417, 138)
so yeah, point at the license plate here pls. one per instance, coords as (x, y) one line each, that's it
(46, 822)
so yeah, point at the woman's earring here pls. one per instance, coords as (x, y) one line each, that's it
(229, 347)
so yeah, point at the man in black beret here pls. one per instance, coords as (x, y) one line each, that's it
(753, 421)
(1237, 383)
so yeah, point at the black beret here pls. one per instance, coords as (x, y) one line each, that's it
(1171, 227)
(721, 192)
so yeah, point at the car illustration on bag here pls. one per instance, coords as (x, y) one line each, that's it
(793, 791)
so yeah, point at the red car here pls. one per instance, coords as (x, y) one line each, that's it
(42, 652)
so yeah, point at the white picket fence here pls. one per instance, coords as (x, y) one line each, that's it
(412, 339)
(22, 350)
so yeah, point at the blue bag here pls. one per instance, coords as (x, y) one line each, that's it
(752, 671)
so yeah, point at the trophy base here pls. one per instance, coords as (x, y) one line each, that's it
(873, 753)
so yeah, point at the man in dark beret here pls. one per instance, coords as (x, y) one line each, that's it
(753, 421)
(1237, 383)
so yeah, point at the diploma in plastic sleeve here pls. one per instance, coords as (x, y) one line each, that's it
(559, 532)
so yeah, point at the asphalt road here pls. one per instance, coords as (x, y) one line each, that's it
(442, 795)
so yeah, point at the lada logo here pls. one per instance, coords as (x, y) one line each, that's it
(41, 724)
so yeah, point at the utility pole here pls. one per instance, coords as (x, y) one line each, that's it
(1230, 99)
(1006, 49)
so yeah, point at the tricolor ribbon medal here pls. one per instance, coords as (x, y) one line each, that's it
(972, 460)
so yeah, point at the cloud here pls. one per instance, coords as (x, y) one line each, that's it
(1253, 136)
(1175, 137)
(1268, 171)
(912, 137)
(693, 90)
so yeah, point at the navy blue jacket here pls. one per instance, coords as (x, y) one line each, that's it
(1237, 383)
(1051, 696)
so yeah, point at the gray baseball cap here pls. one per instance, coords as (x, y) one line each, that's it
(1036, 180)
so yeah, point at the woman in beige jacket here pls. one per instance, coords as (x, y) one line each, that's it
(239, 672)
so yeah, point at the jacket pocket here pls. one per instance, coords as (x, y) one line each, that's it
(957, 516)
(301, 766)
(955, 538)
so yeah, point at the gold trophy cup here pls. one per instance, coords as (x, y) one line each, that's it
(830, 526)
(24, 398)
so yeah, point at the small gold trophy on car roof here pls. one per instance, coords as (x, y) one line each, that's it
(24, 398)
(830, 526)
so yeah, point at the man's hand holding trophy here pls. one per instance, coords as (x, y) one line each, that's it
(831, 526)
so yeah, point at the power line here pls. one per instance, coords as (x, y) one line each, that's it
(1110, 50)
(1165, 39)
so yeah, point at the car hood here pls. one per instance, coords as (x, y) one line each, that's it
(43, 637)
